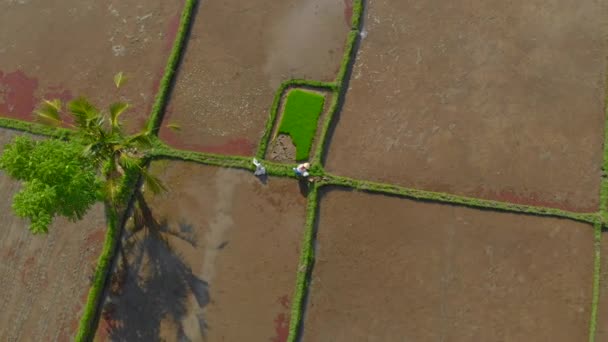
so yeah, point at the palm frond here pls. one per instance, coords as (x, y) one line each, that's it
(48, 113)
(127, 162)
(119, 79)
(174, 127)
(55, 103)
(83, 112)
(115, 110)
(111, 188)
(142, 139)
(153, 183)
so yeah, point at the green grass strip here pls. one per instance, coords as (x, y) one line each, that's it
(357, 14)
(596, 282)
(176, 52)
(285, 170)
(35, 128)
(337, 96)
(237, 162)
(304, 267)
(88, 326)
(300, 119)
(445, 198)
(274, 109)
(89, 320)
(604, 183)
(333, 108)
(347, 60)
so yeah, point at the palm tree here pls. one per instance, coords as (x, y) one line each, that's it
(104, 141)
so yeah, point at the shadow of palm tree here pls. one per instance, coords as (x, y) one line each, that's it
(151, 283)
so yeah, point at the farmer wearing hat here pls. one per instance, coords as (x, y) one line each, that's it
(302, 170)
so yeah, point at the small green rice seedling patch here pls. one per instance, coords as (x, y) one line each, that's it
(300, 117)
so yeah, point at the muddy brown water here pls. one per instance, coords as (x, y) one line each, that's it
(44, 278)
(404, 270)
(494, 99)
(220, 265)
(237, 56)
(63, 49)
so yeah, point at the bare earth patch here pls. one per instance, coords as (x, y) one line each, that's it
(282, 149)
(404, 270)
(215, 258)
(44, 279)
(493, 99)
(237, 57)
(63, 49)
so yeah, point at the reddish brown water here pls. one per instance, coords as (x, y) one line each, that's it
(281, 322)
(17, 94)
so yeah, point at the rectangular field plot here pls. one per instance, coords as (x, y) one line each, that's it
(238, 55)
(403, 270)
(44, 278)
(213, 259)
(496, 99)
(63, 49)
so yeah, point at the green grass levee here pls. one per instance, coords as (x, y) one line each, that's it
(305, 266)
(445, 198)
(88, 321)
(92, 309)
(156, 117)
(595, 299)
(35, 128)
(300, 118)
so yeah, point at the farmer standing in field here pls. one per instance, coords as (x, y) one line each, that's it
(302, 170)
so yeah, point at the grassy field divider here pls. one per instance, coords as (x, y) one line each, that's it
(235, 162)
(357, 17)
(89, 320)
(35, 128)
(304, 266)
(276, 104)
(446, 198)
(341, 80)
(160, 102)
(338, 96)
(597, 272)
(604, 183)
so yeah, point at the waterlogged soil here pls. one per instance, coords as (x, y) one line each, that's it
(214, 259)
(44, 279)
(404, 270)
(495, 99)
(238, 55)
(63, 49)
(602, 319)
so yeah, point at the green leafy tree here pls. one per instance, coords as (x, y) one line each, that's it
(57, 180)
(67, 177)
(104, 141)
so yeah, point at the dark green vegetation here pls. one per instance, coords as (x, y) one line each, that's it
(57, 180)
(300, 118)
(128, 167)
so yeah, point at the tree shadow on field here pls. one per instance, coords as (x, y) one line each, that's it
(151, 283)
